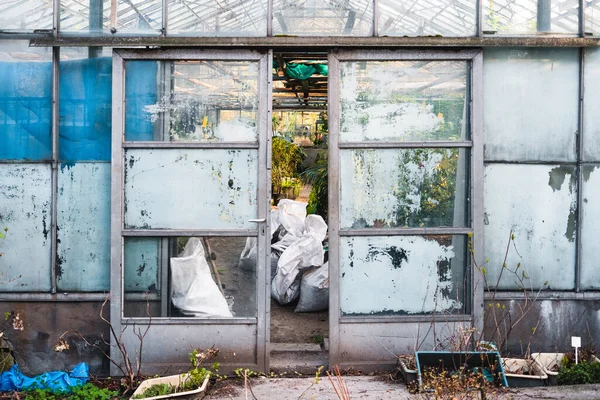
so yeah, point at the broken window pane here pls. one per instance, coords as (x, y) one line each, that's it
(323, 18)
(25, 101)
(591, 105)
(25, 15)
(388, 188)
(399, 275)
(434, 17)
(505, 17)
(25, 209)
(190, 188)
(201, 101)
(83, 262)
(111, 16)
(403, 100)
(85, 104)
(531, 99)
(208, 277)
(217, 18)
(590, 227)
(538, 204)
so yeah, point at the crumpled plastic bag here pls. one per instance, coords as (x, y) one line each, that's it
(314, 290)
(13, 380)
(193, 290)
(304, 253)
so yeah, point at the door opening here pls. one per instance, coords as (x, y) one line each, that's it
(299, 272)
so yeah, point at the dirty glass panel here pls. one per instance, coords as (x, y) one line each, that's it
(25, 15)
(434, 17)
(323, 18)
(531, 99)
(528, 17)
(592, 18)
(403, 100)
(190, 189)
(591, 105)
(217, 18)
(25, 209)
(590, 227)
(83, 262)
(25, 101)
(399, 275)
(85, 104)
(538, 204)
(111, 16)
(208, 277)
(404, 188)
(207, 101)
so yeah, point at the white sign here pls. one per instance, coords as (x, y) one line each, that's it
(575, 341)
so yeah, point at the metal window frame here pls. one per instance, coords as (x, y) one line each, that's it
(474, 58)
(119, 233)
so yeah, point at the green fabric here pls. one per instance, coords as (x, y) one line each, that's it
(304, 71)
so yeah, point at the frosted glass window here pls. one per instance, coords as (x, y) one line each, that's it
(207, 101)
(403, 100)
(590, 227)
(83, 262)
(25, 209)
(506, 17)
(323, 18)
(217, 18)
(111, 16)
(592, 18)
(142, 263)
(530, 100)
(190, 189)
(591, 105)
(25, 15)
(25, 101)
(403, 188)
(394, 275)
(434, 17)
(538, 203)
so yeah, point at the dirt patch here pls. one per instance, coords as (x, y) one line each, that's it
(288, 326)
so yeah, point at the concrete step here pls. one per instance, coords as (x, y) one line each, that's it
(298, 358)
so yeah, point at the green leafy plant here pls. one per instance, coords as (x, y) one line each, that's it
(286, 160)
(577, 374)
(160, 389)
(89, 391)
(317, 176)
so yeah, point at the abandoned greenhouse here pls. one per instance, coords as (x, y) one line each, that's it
(369, 177)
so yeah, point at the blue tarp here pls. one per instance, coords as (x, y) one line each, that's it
(14, 380)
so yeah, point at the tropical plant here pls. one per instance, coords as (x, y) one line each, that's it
(286, 160)
(317, 176)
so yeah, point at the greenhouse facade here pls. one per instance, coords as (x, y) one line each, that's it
(137, 155)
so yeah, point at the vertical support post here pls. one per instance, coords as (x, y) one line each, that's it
(55, 17)
(477, 187)
(333, 208)
(165, 17)
(579, 171)
(582, 5)
(375, 17)
(478, 18)
(95, 22)
(269, 18)
(54, 179)
(544, 22)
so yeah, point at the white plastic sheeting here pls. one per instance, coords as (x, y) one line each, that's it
(193, 290)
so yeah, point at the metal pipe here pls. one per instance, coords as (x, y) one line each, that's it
(544, 20)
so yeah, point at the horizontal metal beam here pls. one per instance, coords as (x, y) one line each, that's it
(190, 321)
(404, 231)
(544, 295)
(394, 319)
(190, 145)
(54, 297)
(316, 42)
(194, 232)
(401, 145)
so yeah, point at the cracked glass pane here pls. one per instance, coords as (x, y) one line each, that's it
(403, 101)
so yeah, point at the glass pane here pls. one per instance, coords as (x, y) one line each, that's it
(531, 99)
(530, 16)
(437, 17)
(590, 228)
(208, 277)
(397, 275)
(190, 189)
(25, 209)
(222, 18)
(111, 16)
(323, 18)
(404, 188)
(403, 100)
(25, 15)
(592, 18)
(85, 104)
(538, 203)
(591, 105)
(207, 101)
(83, 227)
(25, 101)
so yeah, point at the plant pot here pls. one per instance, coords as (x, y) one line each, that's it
(489, 361)
(410, 376)
(173, 380)
(523, 373)
(552, 362)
